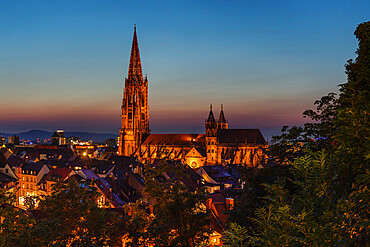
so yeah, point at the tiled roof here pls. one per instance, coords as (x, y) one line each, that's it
(219, 174)
(3, 161)
(102, 167)
(122, 162)
(32, 167)
(87, 174)
(61, 172)
(175, 139)
(4, 179)
(66, 154)
(202, 151)
(241, 136)
(14, 161)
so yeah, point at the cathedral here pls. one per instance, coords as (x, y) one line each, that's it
(219, 144)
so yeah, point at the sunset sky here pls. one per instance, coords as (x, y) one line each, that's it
(63, 63)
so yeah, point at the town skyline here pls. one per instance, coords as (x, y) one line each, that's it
(65, 69)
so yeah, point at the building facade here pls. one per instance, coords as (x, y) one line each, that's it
(219, 144)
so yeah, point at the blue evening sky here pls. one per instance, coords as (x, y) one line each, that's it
(63, 63)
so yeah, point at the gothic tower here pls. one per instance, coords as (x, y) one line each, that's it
(211, 138)
(135, 108)
(222, 123)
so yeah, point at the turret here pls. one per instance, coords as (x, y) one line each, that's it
(222, 123)
(211, 125)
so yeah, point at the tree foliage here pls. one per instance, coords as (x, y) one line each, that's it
(329, 206)
(14, 222)
(177, 215)
(70, 216)
(315, 135)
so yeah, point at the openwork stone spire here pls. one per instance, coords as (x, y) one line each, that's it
(135, 108)
(135, 71)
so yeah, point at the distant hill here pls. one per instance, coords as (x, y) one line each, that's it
(96, 137)
(34, 134)
(41, 134)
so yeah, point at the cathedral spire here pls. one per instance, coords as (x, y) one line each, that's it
(222, 119)
(211, 118)
(134, 70)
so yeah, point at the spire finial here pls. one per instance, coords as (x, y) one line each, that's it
(210, 107)
(134, 27)
(222, 107)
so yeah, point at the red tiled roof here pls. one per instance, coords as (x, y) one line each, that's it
(175, 139)
(61, 172)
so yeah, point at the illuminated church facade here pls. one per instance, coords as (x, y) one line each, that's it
(219, 144)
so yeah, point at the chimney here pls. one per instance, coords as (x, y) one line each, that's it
(229, 203)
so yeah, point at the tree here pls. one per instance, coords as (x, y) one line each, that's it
(180, 217)
(14, 222)
(235, 236)
(330, 205)
(73, 218)
(353, 140)
(315, 135)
